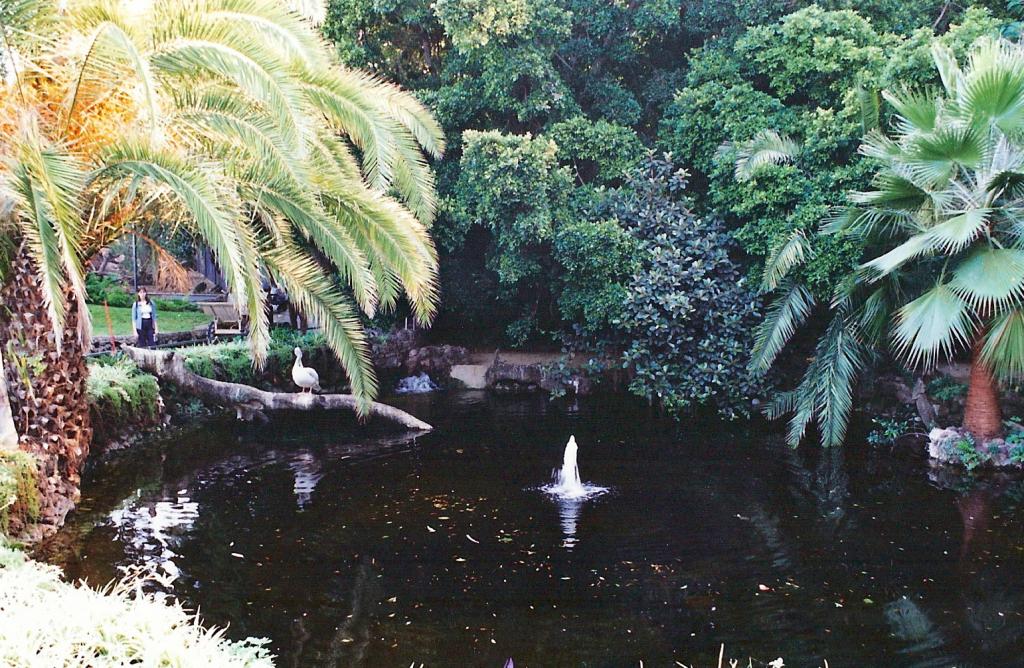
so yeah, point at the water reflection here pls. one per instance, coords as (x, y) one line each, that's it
(152, 532)
(569, 515)
(307, 471)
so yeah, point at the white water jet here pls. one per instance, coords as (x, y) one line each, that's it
(568, 485)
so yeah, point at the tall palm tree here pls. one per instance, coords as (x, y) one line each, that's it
(944, 231)
(230, 116)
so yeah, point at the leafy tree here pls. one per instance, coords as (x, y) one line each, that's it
(512, 186)
(814, 56)
(941, 226)
(596, 261)
(688, 310)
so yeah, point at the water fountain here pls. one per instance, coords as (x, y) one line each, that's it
(570, 491)
(568, 484)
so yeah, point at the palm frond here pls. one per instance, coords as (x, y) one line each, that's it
(918, 110)
(1003, 348)
(990, 278)
(786, 313)
(933, 326)
(319, 299)
(767, 147)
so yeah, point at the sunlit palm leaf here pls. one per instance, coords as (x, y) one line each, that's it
(767, 147)
(783, 259)
(932, 326)
(1003, 349)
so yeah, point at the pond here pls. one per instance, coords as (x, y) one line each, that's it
(346, 548)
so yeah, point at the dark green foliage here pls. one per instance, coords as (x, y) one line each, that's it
(231, 361)
(888, 431)
(100, 289)
(597, 261)
(688, 312)
(945, 388)
(512, 186)
(19, 491)
(597, 152)
(704, 116)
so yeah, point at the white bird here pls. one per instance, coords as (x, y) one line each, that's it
(304, 376)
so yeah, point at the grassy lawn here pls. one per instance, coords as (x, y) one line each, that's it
(121, 318)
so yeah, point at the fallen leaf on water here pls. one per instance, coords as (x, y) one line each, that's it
(431, 529)
(472, 540)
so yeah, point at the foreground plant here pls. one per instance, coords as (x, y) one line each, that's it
(45, 621)
(230, 117)
(943, 229)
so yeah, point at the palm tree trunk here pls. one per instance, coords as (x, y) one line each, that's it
(8, 432)
(46, 389)
(982, 416)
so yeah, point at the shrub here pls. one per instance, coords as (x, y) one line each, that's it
(968, 452)
(889, 430)
(44, 621)
(100, 289)
(19, 493)
(117, 389)
(688, 311)
(175, 305)
(231, 361)
(945, 388)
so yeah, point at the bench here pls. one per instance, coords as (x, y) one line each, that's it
(226, 320)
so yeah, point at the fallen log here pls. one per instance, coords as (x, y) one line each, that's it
(248, 401)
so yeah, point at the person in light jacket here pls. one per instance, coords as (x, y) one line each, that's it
(144, 325)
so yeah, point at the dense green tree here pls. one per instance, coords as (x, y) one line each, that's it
(688, 311)
(513, 187)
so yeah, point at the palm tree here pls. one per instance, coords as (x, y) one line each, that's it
(229, 116)
(943, 228)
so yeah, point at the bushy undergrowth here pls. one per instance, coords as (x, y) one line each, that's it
(117, 389)
(44, 621)
(19, 494)
(122, 398)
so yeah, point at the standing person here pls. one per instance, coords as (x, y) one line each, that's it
(144, 320)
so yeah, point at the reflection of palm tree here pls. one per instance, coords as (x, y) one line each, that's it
(352, 638)
(987, 591)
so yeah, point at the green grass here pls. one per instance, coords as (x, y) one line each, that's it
(121, 318)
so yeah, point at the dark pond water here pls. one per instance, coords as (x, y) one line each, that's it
(347, 549)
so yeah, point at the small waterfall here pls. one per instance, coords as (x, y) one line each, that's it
(418, 384)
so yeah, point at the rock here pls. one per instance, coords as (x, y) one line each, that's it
(515, 378)
(957, 447)
(435, 361)
(389, 351)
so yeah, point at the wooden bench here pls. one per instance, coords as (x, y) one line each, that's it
(227, 321)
